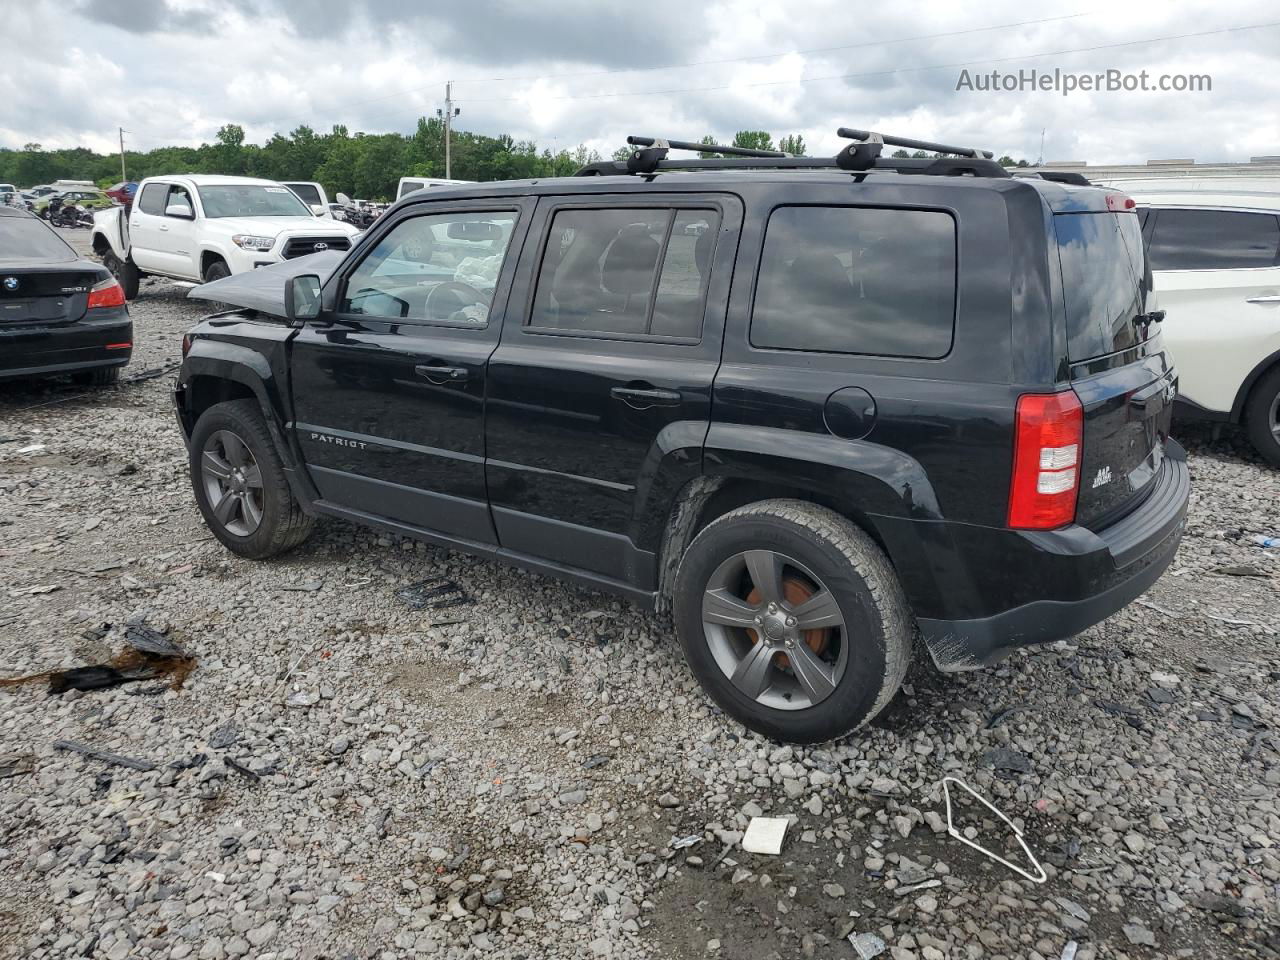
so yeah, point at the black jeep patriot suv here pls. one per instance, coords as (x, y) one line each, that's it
(808, 406)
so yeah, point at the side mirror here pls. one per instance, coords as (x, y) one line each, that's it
(302, 297)
(318, 209)
(179, 210)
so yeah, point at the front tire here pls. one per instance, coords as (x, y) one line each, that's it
(1262, 416)
(216, 270)
(240, 484)
(792, 620)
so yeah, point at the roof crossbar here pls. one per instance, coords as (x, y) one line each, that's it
(653, 150)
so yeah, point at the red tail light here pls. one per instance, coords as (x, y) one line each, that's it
(107, 293)
(1046, 460)
(1119, 203)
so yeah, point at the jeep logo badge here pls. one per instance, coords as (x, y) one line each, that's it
(320, 246)
(11, 284)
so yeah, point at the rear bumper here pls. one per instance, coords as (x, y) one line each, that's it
(1034, 587)
(88, 343)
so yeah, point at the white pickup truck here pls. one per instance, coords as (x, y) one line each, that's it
(203, 227)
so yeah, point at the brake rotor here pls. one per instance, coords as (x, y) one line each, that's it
(795, 591)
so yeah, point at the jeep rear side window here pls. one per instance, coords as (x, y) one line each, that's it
(1102, 278)
(152, 199)
(857, 280)
(599, 272)
(440, 268)
(1214, 240)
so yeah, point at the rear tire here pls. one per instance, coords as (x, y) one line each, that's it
(99, 377)
(268, 520)
(1262, 416)
(216, 270)
(859, 658)
(125, 271)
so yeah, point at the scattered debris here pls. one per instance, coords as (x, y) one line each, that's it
(151, 642)
(765, 835)
(309, 586)
(596, 760)
(1000, 716)
(240, 768)
(1240, 570)
(16, 765)
(906, 891)
(1265, 541)
(680, 843)
(33, 448)
(1005, 761)
(435, 594)
(151, 373)
(1159, 609)
(1069, 951)
(97, 677)
(1073, 908)
(1130, 715)
(223, 737)
(956, 834)
(867, 945)
(94, 753)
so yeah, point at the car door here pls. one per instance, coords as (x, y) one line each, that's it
(388, 383)
(599, 395)
(145, 219)
(1217, 277)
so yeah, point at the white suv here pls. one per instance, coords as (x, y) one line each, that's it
(1214, 248)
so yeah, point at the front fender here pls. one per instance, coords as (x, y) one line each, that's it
(109, 225)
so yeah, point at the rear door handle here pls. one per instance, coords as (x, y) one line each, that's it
(1269, 299)
(642, 398)
(441, 373)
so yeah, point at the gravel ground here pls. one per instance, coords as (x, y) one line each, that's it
(343, 776)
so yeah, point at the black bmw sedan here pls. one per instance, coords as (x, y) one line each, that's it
(59, 314)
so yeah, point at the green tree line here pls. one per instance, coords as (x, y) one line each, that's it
(365, 165)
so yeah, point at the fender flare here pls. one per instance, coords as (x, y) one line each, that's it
(1246, 385)
(107, 225)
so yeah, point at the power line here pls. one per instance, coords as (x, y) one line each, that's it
(882, 73)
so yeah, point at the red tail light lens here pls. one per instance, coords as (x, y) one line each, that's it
(107, 293)
(1046, 460)
(1119, 203)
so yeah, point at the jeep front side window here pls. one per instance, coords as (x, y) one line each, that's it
(439, 268)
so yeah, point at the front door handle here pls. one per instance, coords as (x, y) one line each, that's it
(642, 398)
(440, 373)
(1273, 298)
(164, 228)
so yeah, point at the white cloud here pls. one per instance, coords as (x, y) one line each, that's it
(174, 72)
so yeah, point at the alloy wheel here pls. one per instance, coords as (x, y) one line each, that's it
(775, 630)
(232, 483)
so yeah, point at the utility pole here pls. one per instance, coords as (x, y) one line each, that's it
(123, 176)
(449, 112)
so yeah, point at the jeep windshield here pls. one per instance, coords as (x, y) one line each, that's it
(252, 200)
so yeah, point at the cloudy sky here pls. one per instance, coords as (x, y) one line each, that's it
(575, 71)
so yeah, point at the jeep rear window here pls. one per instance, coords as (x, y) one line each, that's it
(626, 272)
(857, 280)
(1103, 265)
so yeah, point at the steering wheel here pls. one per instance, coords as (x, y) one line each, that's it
(465, 293)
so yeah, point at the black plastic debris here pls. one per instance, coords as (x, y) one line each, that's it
(16, 765)
(1130, 715)
(1007, 763)
(598, 760)
(152, 642)
(435, 594)
(105, 756)
(97, 677)
(240, 768)
(1000, 716)
(196, 761)
(223, 737)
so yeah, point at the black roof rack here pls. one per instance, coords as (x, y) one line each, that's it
(1063, 176)
(862, 156)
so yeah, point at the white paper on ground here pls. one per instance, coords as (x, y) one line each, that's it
(764, 835)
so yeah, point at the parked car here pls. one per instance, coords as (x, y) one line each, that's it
(1214, 246)
(312, 194)
(203, 227)
(867, 398)
(123, 193)
(408, 185)
(59, 314)
(86, 199)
